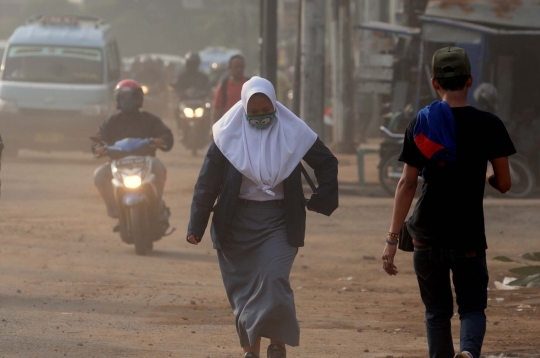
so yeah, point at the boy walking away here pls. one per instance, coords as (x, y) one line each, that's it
(450, 144)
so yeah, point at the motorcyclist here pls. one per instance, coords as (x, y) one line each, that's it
(191, 77)
(149, 72)
(131, 122)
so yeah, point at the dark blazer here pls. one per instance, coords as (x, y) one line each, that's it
(220, 179)
(137, 124)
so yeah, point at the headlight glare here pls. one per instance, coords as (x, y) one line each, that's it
(188, 112)
(144, 89)
(199, 112)
(132, 181)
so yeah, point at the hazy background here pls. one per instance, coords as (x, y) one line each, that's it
(160, 26)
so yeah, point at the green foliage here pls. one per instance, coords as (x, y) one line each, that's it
(530, 273)
(527, 281)
(531, 256)
(526, 270)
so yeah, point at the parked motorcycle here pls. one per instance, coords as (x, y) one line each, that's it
(391, 169)
(522, 176)
(193, 120)
(136, 193)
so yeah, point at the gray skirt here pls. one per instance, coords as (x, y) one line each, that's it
(255, 265)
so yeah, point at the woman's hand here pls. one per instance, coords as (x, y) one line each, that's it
(388, 259)
(99, 151)
(192, 239)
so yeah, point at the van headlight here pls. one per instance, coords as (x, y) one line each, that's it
(189, 112)
(8, 106)
(132, 181)
(94, 110)
(199, 112)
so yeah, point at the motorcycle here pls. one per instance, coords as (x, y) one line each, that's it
(522, 176)
(391, 169)
(136, 193)
(193, 120)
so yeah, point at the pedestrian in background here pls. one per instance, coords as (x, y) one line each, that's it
(228, 91)
(450, 143)
(259, 221)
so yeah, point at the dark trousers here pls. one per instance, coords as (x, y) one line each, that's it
(103, 180)
(470, 278)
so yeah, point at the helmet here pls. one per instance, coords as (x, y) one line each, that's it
(129, 95)
(193, 60)
(486, 96)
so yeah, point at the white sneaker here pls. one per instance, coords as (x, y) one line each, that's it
(464, 354)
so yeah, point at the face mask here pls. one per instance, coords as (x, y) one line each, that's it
(261, 121)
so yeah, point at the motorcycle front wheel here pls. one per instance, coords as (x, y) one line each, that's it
(138, 223)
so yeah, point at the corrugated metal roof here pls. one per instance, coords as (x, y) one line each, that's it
(37, 34)
(513, 13)
(479, 28)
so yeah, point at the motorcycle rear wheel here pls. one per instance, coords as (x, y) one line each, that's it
(523, 179)
(390, 172)
(139, 230)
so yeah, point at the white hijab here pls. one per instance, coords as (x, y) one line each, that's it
(265, 156)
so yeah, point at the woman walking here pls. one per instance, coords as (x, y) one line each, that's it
(253, 169)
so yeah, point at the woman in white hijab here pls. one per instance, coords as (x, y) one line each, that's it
(253, 169)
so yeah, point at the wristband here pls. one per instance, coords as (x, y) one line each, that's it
(393, 235)
(391, 242)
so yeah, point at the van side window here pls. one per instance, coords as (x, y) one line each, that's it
(113, 62)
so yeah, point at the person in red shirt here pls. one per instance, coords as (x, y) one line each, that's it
(229, 90)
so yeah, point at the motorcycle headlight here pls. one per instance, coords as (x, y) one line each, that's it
(199, 112)
(8, 106)
(188, 112)
(132, 181)
(144, 89)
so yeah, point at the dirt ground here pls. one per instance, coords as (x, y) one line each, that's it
(70, 288)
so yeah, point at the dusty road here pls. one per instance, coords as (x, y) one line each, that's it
(70, 288)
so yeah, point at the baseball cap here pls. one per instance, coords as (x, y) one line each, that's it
(450, 62)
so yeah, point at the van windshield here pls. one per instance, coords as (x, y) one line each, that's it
(54, 64)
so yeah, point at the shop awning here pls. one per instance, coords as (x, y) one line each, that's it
(389, 28)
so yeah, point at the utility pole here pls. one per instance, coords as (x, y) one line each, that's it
(312, 65)
(347, 136)
(269, 40)
(297, 84)
(342, 75)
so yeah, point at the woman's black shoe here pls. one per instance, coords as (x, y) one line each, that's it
(276, 351)
(251, 355)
